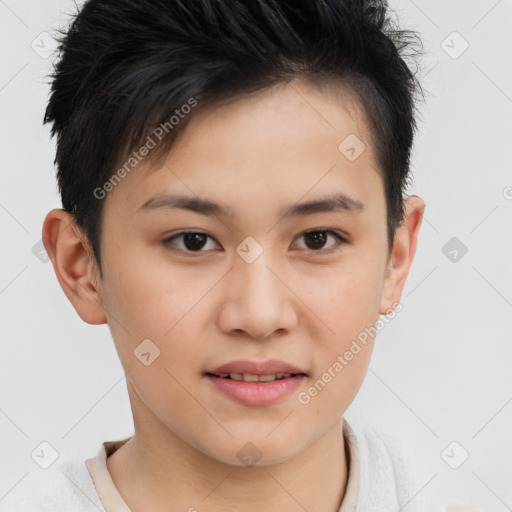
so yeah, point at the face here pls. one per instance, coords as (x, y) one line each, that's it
(262, 278)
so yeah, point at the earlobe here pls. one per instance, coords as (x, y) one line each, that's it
(402, 254)
(74, 265)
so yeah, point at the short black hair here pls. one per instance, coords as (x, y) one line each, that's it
(128, 66)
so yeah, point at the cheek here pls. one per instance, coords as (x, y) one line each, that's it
(166, 306)
(348, 305)
(149, 297)
(348, 300)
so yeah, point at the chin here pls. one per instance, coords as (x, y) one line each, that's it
(254, 451)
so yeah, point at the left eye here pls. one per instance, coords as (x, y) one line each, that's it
(318, 238)
(194, 241)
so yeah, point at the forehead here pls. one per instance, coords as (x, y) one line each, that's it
(294, 115)
(282, 143)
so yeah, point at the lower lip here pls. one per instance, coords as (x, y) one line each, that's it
(256, 393)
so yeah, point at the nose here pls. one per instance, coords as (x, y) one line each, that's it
(257, 300)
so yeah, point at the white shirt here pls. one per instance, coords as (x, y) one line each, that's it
(379, 480)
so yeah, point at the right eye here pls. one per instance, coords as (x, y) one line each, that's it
(191, 241)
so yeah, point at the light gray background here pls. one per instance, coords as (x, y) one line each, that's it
(441, 371)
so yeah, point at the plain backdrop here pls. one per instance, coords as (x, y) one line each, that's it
(440, 376)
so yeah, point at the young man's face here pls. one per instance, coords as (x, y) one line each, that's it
(258, 285)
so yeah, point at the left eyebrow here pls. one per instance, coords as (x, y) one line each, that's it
(338, 202)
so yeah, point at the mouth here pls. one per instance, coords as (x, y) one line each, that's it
(256, 383)
(256, 371)
(251, 377)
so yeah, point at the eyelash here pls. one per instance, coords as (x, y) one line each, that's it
(341, 240)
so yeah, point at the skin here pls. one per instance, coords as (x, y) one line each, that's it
(296, 302)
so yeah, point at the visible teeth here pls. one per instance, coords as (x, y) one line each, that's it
(249, 377)
(267, 378)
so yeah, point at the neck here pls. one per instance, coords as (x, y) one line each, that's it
(155, 469)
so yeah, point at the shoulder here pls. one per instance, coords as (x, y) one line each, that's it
(67, 486)
(390, 475)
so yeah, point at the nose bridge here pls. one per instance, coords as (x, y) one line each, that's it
(256, 280)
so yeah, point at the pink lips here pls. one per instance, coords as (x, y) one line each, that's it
(256, 393)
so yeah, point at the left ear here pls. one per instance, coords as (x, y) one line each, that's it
(402, 254)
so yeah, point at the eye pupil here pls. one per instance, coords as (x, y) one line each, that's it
(318, 238)
(194, 240)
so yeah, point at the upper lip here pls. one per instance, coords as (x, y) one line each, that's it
(257, 368)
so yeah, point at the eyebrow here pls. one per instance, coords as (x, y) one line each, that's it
(334, 203)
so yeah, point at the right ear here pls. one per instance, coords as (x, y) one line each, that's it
(74, 264)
